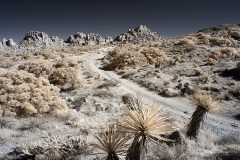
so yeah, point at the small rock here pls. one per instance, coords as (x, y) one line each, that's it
(99, 107)
(170, 92)
(234, 125)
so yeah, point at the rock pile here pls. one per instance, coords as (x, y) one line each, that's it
(38, 40)
(88, 39)
(7, 43)
(138, 35)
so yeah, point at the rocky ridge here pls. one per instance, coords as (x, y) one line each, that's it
(88, 39)
(138, 35)
(36, 40)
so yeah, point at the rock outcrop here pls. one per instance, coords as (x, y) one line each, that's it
(88, 39)
(10, 43)
(7, 44)
(38, 40)
(138, 35)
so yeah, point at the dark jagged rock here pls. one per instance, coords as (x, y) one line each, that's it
(138, 35)
(88, 39)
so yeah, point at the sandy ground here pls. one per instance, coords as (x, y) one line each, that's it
(179, 108)
(175, 106)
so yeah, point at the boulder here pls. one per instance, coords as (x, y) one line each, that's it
(1, 46)
(39, 40)
(4, 42)
(10, 43)
(170, 92)
(88, 39)
(138, 35)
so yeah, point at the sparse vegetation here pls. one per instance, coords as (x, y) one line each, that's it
(25, 95)
(112, 142)
(144, 124)
(38, 67)
(205, 103)
(63, 92)
(65, 75)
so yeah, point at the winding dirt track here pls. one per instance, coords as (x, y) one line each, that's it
(176, 106)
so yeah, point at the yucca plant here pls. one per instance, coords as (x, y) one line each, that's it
(205, 103)
(144, 124)
(112, 142)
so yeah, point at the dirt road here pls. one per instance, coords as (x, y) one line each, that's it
(175, 106)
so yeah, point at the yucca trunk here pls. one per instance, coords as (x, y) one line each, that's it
(138, 149)
(196, 121)
(112, 156)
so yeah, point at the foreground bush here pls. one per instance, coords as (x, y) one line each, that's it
(39, 67)
(23, 94)
(126, 59)
(65, 74)
(153, 55)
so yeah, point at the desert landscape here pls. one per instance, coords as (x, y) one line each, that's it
(135, 96)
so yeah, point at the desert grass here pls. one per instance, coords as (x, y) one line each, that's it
(205, 103)
(144, 124)
(112, 142)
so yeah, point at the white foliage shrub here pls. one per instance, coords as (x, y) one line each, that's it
(24, 94)
(65, 75)
(39, 67)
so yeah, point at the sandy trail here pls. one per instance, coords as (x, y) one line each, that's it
(175, 106)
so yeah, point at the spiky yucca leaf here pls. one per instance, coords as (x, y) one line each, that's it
(112, 142)
(144, 124)
(205, 100)
(148, 122)
(205, 103)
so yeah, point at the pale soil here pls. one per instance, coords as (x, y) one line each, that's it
(89, 118)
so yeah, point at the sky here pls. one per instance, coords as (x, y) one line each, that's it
(169, 18)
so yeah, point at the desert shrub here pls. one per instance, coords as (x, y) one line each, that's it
(186, 44)
(203, 38)
(235, 33)
(185, 41)
(215, 55)
(52, 147)
(220, 41)
(223, 53)
(45, 54)
(25, 95)
(191, 38)
(38, 67)
(3, 71)
(228, 52)
(66, 62)
(124, 56)
(8, 60)
(126, 59)
(153, 55)
(65, 74)
(66, 78)
(211, 61)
